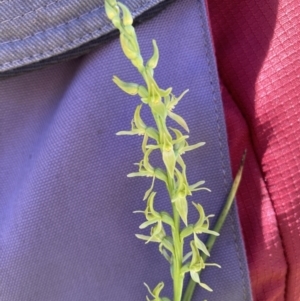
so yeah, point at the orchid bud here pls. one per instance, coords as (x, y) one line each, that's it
(127, 17)
(127, 47)
(112, 2)
(138, 62)
(116, 21)
(130, 32)
(112, 11)
(152, 63)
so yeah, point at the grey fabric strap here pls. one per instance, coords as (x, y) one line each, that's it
(82, 49)
(32, 31)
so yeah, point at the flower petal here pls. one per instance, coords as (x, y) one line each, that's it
(152, 63)
(182, 208)
(149, 190)
(191, 147)
(129, 88)
(175, 100)
(179, 120)
(200, 245)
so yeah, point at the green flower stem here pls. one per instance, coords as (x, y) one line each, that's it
(178, 278)
(172, 144)
(178, 246)
(221, 219)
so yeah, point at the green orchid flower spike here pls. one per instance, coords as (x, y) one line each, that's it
(172, 145)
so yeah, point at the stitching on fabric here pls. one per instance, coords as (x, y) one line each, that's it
(77, 40)
(54, 50)
(54, 27)
(29, 12)
(237, 249)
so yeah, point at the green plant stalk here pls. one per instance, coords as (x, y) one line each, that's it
(177, 242)
(178, 246)
(161, 103)
(219, 224)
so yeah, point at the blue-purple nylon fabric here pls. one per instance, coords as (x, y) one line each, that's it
(34, 30)
(66, 222)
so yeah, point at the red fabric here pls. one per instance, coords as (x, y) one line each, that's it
(257, 48)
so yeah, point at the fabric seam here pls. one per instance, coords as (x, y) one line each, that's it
(221, 152)
(29, 12)
(54, 27)
(82, 38)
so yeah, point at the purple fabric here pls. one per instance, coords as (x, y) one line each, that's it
(34, 30)
(67, 227)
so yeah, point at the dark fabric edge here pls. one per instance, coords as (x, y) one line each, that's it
(233, 217)
(85, 48)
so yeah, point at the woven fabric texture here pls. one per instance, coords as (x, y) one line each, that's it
(32, 31)
(77, 51)
(257, 47)
(67, 227)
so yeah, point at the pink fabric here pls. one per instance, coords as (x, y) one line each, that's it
(257, 47)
